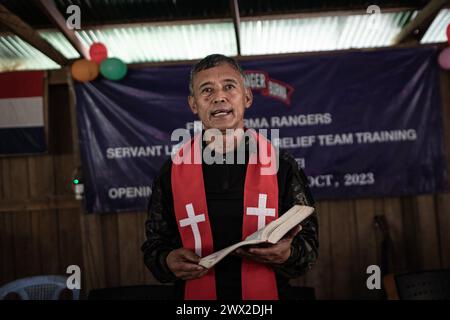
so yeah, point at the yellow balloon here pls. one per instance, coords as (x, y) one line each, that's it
(84, 70)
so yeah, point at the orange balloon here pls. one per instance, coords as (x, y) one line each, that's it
(84, 70)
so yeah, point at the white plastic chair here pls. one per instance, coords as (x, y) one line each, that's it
(38, 288)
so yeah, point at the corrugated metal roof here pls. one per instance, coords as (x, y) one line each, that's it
(164, 42)
(101, 12)
(16, 54)
(321, 33)
(60, 43)
(436, 31)
(154, 42)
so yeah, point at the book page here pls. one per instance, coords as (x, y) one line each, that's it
(272, 226)
(272, 233)
(295, 218)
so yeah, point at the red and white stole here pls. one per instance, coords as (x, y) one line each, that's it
(260, 208)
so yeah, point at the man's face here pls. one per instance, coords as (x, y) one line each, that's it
(220, 97)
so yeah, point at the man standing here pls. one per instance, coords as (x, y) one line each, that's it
(197, 209)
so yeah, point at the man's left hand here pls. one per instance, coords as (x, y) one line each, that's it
(273, 253)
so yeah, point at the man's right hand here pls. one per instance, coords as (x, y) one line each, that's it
(184, 264)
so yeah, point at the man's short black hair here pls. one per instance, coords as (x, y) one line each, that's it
(211, 61)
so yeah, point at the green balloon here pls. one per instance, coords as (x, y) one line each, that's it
(113, 69)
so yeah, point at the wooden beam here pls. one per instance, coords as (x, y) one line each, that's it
(39, 204)
(49, 8)
(16, 25)
(237, 22)
(417, 27)
(426, 25)
(295, 15)
(58, 76)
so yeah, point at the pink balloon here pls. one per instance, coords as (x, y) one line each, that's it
(444, 59)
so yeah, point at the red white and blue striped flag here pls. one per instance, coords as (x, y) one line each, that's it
(22, 112)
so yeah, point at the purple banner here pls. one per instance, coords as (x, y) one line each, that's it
(360, 124)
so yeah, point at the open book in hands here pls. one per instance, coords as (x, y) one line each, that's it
(271, 233)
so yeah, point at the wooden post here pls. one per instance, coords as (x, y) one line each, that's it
(417, 27)
(236, 21)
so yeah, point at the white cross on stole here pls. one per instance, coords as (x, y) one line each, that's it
(262, 212)
(193, 221)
